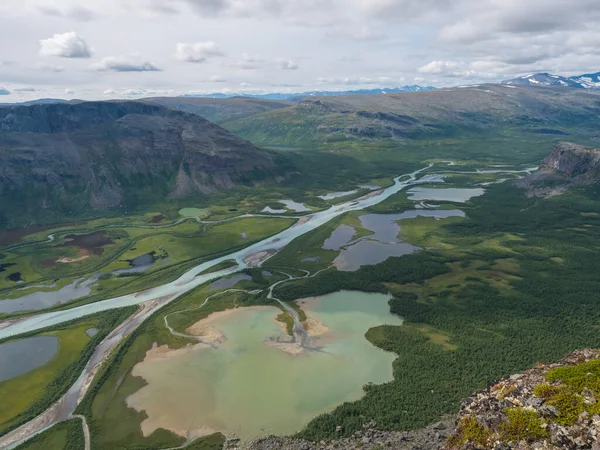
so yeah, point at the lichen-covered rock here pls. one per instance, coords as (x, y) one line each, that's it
(551, 406)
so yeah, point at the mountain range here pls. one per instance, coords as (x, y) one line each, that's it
(590, 81)
(297, 96)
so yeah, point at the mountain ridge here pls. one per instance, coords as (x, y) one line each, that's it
(120, 155)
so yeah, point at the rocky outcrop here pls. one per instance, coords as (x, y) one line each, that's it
(572, 161)
(369, 438)
(551, 406)
(101, 155)
(566, 165)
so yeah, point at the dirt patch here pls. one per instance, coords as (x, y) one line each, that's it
(92, 242)
(71, 260)
(158, 218)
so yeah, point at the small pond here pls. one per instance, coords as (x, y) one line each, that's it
(24, 355)
(444, 195)
(226, 283)
(91, 332)
(139, 264)
(41, 300)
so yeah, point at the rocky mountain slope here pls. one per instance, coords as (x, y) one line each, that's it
(551, 406)
(566, 165)
(64, 159)
(438, 113)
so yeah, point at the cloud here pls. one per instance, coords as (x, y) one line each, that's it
(69, 91)
(66, 45)
(79, 13)
(25, 89)
(287, 65)
(4, 91)
(110, 92)
(447, 69)
(403, 9)
(198, 52)
(209, 7)
(49, 68)
(124, 64)
(248, 62)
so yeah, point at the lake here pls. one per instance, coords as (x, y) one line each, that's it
(248, 386)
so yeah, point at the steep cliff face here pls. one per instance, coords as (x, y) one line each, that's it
(62, 158)
(572, 161)
(565, 166)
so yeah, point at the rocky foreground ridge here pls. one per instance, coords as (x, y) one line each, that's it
(566, 165)
(550, 406)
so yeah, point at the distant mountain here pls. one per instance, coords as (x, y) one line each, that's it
(221, 110)
(65, 160)
(39, 101)
(315, 122)
(300, 95)
(587, 81)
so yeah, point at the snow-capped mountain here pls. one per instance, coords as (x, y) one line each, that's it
(587, 81)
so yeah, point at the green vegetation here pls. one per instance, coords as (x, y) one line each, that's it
(489, 301)
(212, 442)
(183, 247)
(469, 430)
(62, 436)
(522, 424)
(28, 395)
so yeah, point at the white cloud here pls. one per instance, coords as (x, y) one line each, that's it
(198, 52)
(124, 64)
(24, 89)
(110, 92)
(288, 65)
(66, 45)
(69, 91)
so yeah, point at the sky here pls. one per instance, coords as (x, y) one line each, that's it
(101, 49)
